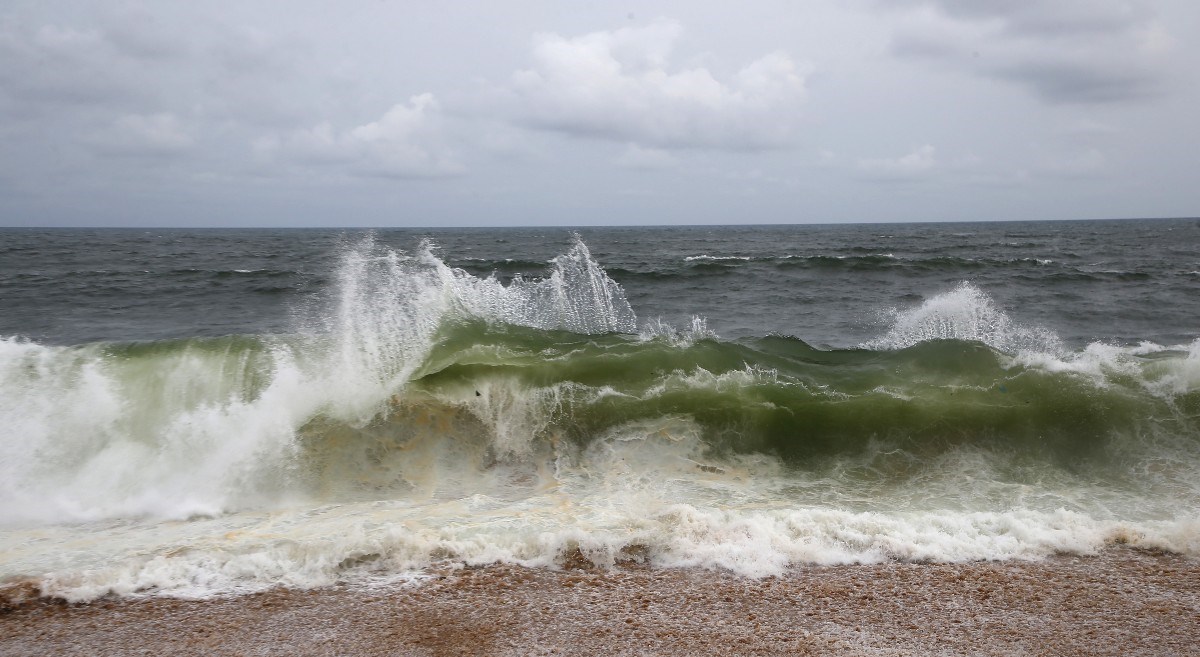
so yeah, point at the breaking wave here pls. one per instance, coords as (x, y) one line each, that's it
(423, 413)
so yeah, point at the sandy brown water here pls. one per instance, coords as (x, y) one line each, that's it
(1122, 602)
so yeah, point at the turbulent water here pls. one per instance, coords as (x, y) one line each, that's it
(195, 413)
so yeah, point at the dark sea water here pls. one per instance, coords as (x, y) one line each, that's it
(191, 412)
(1121, 281)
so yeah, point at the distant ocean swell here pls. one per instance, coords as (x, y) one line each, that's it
(423, 413)
(1062, 269)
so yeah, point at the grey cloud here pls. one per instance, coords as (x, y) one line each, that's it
(405, 142)
(1090, 163)
(619, 85)
(146, 87)
(1047, 17)
(138, 65)
(918, 164)
(637, 157)
(241, 50)
(1062, 51)
(1078, 82)
(145, 135)
(141, 35)
(254, 79)
(46, 66)
(935, 46)
(1087, 130)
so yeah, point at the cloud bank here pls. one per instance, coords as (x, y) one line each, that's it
(224, 112)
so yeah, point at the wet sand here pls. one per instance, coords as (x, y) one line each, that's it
(1122, 602)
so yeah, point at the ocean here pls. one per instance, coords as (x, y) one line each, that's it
(196, 413)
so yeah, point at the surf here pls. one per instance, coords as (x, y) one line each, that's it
(420, 412)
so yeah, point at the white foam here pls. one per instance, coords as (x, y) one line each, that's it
(363, 545)
(1166, 372)
(704, 257)
(651, 483)
(1177, 376)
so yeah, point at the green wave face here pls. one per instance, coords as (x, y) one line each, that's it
(782, 397)
(942, 425)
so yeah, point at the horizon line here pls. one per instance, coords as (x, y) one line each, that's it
(580, 226)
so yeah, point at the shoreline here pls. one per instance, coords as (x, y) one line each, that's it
(1122, 601)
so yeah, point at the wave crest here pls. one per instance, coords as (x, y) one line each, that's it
(965, 313)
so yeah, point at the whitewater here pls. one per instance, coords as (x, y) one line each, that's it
(419, 413)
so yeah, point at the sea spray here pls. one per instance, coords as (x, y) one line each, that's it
(965, 313)
(576, 295)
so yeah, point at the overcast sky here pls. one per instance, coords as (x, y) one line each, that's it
(569, 113)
